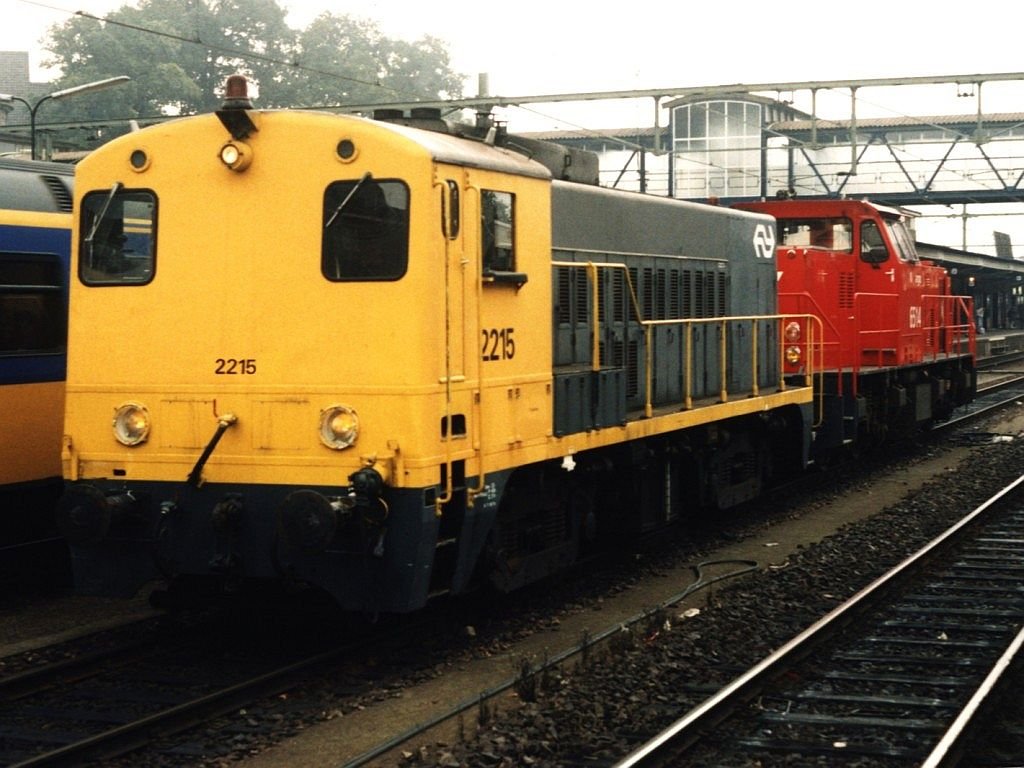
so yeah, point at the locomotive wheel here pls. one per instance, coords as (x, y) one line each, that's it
(534, 534)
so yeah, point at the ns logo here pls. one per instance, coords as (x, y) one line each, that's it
(764, 241)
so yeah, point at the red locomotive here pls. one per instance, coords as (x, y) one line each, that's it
(898, 347)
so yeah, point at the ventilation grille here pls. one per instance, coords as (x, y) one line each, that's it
(846, 286)
(61, 194)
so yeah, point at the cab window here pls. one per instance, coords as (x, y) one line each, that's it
(451, 213)
(898, 234)
(366, 230)
(872, 246)
(834, 234)
(498, 228)
(32, 314)
(118, 237)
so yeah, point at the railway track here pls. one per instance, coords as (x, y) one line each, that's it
(94, 706)
(997, 388)
(180, 714)
(898, 675)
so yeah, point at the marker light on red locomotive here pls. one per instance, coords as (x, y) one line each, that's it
(793, 335)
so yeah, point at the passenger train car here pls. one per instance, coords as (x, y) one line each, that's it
(898, 347)
(392, 363)
(35, 243)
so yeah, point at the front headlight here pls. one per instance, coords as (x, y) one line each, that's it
(793, 355)
(236, 155)
(793, 332)
(131, 424)
(339, 427)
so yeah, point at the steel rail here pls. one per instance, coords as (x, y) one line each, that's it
(675, 740)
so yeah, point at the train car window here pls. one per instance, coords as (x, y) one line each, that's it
(497, 225)
(834, 234)
(118, 245)
(32, 309)
(872, 246)
(366, 230)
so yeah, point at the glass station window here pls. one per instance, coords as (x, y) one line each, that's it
(366, 230)
(498, 227)
(32, 309)
(717, 148)
(118, 232)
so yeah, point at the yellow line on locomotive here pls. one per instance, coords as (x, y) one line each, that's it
(32, 409)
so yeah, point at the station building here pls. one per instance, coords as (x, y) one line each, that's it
(740, 147)
(14, 79)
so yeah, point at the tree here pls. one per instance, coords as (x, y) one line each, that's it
(180, 52)
(342, 59)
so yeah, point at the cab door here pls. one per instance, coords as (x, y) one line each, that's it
(878, 309)
(511, 336)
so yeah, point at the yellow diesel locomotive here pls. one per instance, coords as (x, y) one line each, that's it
(393, 361)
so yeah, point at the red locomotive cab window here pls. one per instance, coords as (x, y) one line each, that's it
(873, 249)
(900, 235)
(832, 234)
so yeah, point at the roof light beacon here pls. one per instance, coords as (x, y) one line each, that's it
(238, 116)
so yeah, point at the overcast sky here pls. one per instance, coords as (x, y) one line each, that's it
(546, 46)
(540, 47)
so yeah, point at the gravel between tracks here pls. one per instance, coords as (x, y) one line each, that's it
(598, 712)
(811, 555)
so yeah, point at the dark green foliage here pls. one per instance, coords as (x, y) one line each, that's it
(179, 53)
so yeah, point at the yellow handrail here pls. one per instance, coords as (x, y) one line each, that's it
(814, 354)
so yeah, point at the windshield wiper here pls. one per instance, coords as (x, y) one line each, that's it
(343, 203)
(102, 214)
